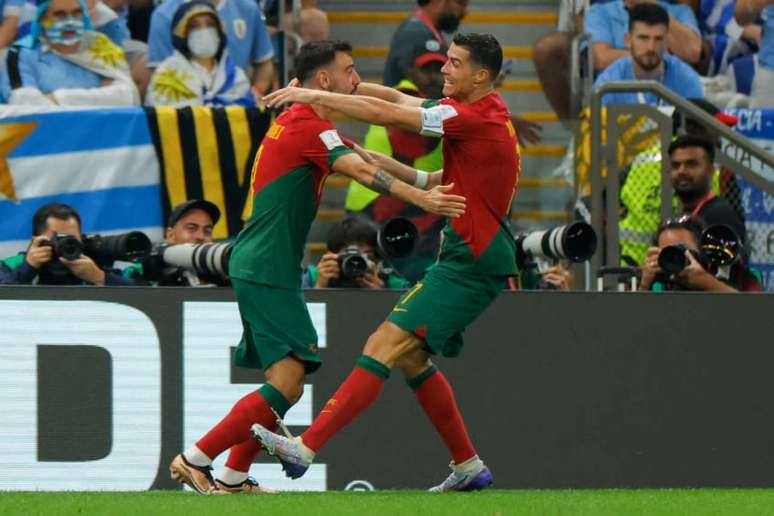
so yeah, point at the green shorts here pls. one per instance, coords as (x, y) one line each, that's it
(443, 304)
(276, 324)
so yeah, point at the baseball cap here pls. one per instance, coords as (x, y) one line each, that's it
(194, 204)
(429, 57)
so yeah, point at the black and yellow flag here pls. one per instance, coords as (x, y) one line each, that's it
(207, 153)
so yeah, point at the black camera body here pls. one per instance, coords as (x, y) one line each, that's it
(65, 246)
(353, 263)
(104, 250)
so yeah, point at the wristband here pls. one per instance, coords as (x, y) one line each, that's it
(422, 178)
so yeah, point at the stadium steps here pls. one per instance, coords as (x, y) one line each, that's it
(370, 24)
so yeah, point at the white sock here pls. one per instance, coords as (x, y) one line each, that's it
(469, 466)
(306, 450)
(197, 457)
(231, 477)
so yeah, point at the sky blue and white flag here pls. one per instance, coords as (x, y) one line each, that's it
(758, 125)
(101, 162)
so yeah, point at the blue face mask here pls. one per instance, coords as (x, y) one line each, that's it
(74, 25)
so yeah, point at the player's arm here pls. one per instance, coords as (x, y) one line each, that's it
(369, 89)
(419, 178)
(366, 109)
(746, 11)
(435, 200)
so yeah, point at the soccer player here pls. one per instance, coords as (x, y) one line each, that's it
(297, 153)
(482, 160)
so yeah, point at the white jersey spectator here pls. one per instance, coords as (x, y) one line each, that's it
(200, 70)
(62, 61)
(248, 40)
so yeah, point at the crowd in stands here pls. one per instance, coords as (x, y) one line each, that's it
(725, 46)
(180, 53)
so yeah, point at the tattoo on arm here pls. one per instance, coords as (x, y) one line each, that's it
(382, 182)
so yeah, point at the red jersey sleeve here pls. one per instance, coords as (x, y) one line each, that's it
(324, 146)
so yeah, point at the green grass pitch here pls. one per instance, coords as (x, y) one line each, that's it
(618, 502)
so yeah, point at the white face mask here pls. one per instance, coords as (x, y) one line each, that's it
(204, 42)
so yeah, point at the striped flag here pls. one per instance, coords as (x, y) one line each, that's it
(101, 162)
(207, 153)
(124, 169)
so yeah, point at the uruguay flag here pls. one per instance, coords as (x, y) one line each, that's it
(101, 162)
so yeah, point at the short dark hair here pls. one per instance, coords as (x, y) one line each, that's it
(316, 54)
(649, 14)
(354, 228)
(53, 209)
(692, 140)
(695, 225)
(484, 50)
(422, 3)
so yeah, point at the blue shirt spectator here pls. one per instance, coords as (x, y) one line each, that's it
(677, 76)
(103, 19)
(608, 22)
(63, 62)
(248, 38)
(729, 39)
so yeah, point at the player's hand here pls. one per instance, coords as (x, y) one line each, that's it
(651, 268)
(370, 279)
(292, 94)
(327, 270)
(85, 268)
(437, 201)
(558, 276)
(38, 252)
(526, 130)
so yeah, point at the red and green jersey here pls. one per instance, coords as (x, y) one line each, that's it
(481, 157)
(288, 175)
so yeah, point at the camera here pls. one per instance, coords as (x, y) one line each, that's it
(353, 263)
(168, 263)
(65, 246)
(719, 246)
(104, 250)
(576, 242)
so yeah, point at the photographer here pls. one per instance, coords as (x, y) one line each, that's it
(190, 222)
(351, 240)
(698, 274)
(41, 264)
(555, 277)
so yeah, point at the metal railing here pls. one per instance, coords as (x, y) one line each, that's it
(735, 155)
(581, 77)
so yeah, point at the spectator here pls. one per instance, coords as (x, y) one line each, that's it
(727, 38)
(355, 235)
(63, 61)
(692, 161)
(699, 274)
(420, 33)
(40, 265)
(191, 222)
(607, 23)
(200, 71)
(641, 188)
(746, 11)
(647, 40)
(552, 56)
(247, 38)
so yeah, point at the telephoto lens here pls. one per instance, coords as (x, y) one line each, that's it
(672, 259)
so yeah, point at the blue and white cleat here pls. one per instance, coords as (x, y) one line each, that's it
(471, 475)
(294, 457)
